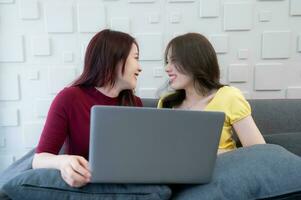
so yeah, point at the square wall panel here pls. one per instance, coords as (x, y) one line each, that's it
(220, 43)
(91, 17)
(31, 133)
(40, 45)
(29, 9)
(209, 8)
(67, 56)
(9, 117)
(269, 76)
(59, 18)
(158, 72)
(121, 24)
(150, 46)
(276, 44)
(238, 16)
(238, 73)
(243, 54)
(11, 49)
(154, 18)
(6, 1)
(265, 16)
(175, 17)
(42, 106)
(293, 93)
(33, 74)
(9, 86)
(60, 77)
(295, 7)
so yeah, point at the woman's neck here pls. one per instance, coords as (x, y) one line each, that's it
(112, 92)
(192, 95)
(195, 100)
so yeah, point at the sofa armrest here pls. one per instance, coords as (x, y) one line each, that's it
(291, 141)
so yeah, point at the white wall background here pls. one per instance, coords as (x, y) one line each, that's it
(42, 43)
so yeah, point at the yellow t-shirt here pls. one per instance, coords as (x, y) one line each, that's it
(229, 100)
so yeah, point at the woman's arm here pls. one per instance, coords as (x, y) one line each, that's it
(247, 132)
(74, 169)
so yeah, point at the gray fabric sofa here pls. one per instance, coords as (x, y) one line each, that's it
(279, 120)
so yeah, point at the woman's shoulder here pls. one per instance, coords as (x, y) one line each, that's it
(234, 103)
(69, 94)
(230, 89)
(232, 97)
(70, 91)
(229, 92)
(64, 98)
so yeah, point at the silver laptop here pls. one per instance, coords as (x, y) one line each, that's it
(149, 145)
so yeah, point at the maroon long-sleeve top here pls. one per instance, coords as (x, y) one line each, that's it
(68, 120)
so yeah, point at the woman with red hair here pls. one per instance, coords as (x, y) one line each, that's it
(109, 77)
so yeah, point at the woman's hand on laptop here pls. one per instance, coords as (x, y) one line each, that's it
(75, 170)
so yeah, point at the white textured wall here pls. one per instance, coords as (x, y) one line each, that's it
(42, 43)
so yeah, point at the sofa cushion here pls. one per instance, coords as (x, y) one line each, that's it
(4, 196)
(260, 171)
(46, 184)
(290, 141)
(18, 167)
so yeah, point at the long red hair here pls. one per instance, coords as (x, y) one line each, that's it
(105, 50)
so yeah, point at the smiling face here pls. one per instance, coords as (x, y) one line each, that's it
(177, 79)
(128, 79)
(192, 63)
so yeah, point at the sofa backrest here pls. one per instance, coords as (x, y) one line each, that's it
(272, 116)
(149, 102)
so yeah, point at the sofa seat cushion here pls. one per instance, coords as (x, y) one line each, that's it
(46, 184)
(256, 172)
